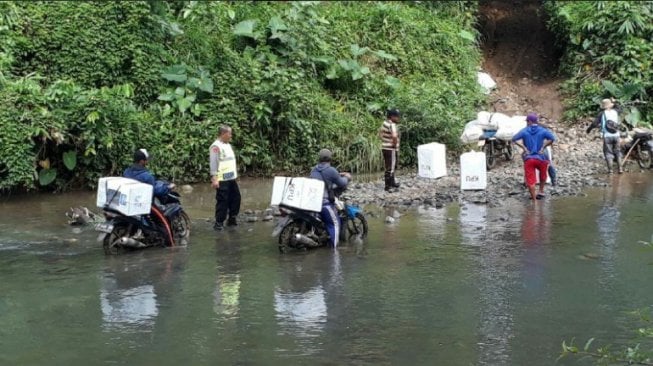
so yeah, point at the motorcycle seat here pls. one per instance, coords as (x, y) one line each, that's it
(642, 135)
(488, 134)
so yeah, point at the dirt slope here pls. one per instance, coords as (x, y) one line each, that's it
(520, 55)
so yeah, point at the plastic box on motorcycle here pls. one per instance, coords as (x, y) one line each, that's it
(431, 160)
(127, 196)
(301, 193)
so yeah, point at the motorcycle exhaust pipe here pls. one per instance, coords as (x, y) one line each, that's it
(303, 239)
(130, 242)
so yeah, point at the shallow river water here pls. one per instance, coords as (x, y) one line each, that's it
(461, 285)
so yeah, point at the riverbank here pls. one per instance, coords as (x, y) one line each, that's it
(578, 159)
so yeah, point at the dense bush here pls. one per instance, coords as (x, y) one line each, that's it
(83, 84)
(607, 52)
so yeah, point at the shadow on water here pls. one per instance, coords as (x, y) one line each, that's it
(465, 284)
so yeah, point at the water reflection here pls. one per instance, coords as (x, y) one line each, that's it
(607, 225)
(496, 280)
(300, 301)
(131, 288)
(535, 236)
(226, 295)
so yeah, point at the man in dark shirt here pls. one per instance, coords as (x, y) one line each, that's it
(139, 172)
(332, 180)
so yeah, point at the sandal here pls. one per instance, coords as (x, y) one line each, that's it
(539, 196)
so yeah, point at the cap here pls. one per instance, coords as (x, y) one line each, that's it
(606, 103)
(532, 117)
(393, 112)
(325, 154)
(141, 154)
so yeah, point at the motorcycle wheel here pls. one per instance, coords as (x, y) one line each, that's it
(288, 232)
(357, 226)
(181, 228)
(108, 244)
(508, 152)
(490, 160)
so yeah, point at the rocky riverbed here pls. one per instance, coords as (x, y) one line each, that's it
(578, 159)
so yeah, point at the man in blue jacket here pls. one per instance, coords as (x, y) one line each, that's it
(139, 172)
(535, 139)
(332, 180)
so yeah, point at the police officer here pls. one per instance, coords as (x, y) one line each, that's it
(222, 162)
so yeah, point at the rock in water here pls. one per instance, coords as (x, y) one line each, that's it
(186, 189)
(389, 219)
(268, 218)
(81, 216)
(251, 219)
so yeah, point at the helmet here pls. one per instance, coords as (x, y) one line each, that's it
(393, 112)
(141, 154)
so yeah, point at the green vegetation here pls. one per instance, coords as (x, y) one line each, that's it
(84, 84)
(607, 52)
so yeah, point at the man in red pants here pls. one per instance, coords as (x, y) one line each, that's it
(534, 140)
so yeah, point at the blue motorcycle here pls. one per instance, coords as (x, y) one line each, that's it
(301, 229)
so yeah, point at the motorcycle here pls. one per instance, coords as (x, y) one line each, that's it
(300, 229)
(495, 148)
(639, 143)
(166, 225)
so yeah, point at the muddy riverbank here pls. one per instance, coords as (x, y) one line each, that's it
(578, 160)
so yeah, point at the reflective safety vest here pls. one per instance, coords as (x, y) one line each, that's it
(226, 162)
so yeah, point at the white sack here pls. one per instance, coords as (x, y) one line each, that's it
(486, 82)
(509, 128)
(471, 133)
(491, 121)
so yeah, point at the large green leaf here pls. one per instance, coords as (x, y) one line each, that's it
(245, 28)
(168, 97)
(467, 35)
(206, 84)
(183, 104)
(634, 116)
(175, 73)
(333, 72)
(612, 88)
(193, 83)
(357, 50)
(385, 55)
(276, 24)
(70, 159)
(392, 82)
(47, 176)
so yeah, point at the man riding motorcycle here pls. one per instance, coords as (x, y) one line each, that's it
(161, 189)
(332, 180)
(139, 172)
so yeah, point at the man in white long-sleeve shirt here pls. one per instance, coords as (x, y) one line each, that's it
(222, 162)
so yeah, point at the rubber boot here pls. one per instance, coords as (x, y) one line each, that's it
(393, 182)
(620, 168)
(388, 182)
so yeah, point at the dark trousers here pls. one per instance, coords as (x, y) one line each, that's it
(390, 164)
(612, 151)
(389, 161)
(227, 200)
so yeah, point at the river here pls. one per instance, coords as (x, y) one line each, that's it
(460, 285)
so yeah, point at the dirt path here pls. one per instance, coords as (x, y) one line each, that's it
(520, 55)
